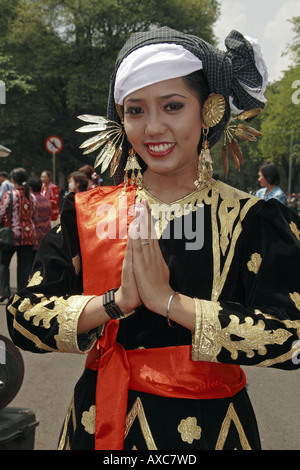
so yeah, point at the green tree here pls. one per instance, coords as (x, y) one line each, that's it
(66, 49)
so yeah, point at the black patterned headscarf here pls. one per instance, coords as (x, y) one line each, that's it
(234, 73)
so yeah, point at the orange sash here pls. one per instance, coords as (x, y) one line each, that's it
(167, 372)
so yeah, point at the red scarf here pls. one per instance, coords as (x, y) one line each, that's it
(168, 372)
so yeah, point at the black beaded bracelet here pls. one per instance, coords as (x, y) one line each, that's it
(110, 305)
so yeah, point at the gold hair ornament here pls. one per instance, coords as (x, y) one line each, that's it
(242, 131)
(212, 113)
(110, 140)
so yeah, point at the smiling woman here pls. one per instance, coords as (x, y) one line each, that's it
(168, 280)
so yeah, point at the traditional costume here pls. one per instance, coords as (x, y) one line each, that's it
(147, 385)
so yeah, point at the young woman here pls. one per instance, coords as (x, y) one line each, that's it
(51, 192)
(269, 180)
(169, 280)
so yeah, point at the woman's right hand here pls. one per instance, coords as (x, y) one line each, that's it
(127, 296)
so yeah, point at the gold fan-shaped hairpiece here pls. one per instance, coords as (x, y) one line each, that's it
(243, 132)
(109, 140)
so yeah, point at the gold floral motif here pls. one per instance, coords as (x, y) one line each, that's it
(295, 230)
(36, 279)
(88, 420)
(296, 299)
(254, 263)
(189, 430)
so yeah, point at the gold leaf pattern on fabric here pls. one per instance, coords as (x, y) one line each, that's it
(137, 410)
(36, 279)
(88, 420)
(295, 230)
(65, 312)
(296, 299)
(189, 430)
(209, 338)
(254, 263)
(232, 417)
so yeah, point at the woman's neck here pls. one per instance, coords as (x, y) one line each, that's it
(168, 188)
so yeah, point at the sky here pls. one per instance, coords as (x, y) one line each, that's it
(264, 20)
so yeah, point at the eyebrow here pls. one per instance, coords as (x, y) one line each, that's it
(166, 97)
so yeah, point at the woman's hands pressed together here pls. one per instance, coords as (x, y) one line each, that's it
(149, 267)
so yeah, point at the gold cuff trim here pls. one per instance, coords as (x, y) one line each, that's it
(205, 344)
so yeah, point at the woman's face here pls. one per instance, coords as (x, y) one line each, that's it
(163, 124)
(262, 180)
(45, 178)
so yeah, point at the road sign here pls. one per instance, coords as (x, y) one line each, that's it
(54, 144)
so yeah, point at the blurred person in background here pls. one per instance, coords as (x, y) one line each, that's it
(269, 180)
(24, 204)
(42, 214)
(77, 182)
(51, 192)
(6, 185)
(94, 179)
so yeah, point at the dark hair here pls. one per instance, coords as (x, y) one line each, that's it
(198, 83)
(35, 184)
(271, 173)
(81, 179)
(48, 173)
(4, 174)
(19, 175)
(88, 170)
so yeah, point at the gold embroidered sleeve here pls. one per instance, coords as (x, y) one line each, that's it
(228, 333)
(50, 324)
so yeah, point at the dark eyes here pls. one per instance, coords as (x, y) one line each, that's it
(170, 107)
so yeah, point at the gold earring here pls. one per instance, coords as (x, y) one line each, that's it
(205, 169)
(133, 167)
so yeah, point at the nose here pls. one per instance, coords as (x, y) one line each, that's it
(155, 124)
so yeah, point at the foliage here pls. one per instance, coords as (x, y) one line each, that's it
(56, 57)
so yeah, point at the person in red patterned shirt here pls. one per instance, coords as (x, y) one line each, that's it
(24, 205)
(51, 192)
(42, 215)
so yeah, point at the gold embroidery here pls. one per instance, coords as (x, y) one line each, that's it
(231, 416)
(295, 230)
(296, 299)
(63, 443)
(163, 213)
(227, 218)
(88, 420)
(76, 261)
(205, 344)
(65, 311)
(209, 337)
(254, 263)
(137, 410)
(36, 279)
(58, 230)
(221, 189)
(189, 430)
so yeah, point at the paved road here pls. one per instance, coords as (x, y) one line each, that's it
(50, 378)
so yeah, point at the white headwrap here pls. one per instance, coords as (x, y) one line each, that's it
(151, 64)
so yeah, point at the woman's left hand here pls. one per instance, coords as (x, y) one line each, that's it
(150, 269)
